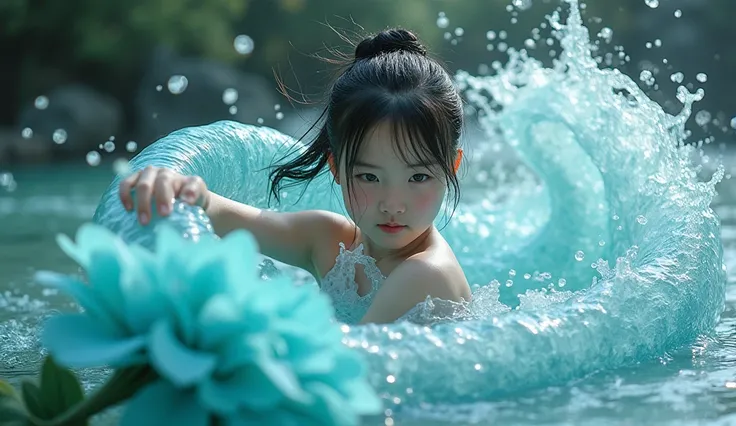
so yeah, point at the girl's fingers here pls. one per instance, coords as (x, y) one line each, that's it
(144, 190)
(125, 188)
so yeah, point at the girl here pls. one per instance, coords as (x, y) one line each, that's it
(390, 139)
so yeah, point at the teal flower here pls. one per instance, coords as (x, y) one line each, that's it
(223, 341)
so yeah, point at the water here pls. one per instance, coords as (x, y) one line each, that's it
(629, 343)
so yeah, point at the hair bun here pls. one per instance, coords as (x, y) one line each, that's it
(393, 40)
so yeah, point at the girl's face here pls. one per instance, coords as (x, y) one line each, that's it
(392, 202)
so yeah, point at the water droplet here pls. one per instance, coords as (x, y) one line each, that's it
(59, 136)
(244, 44)
(561, 282)
(677, 77)
(121, 166)
(522, 4)
(512, 272)
(652, 3)
(601, 243)
(491, 35)
(459, 31)
(678, 13)
(177, 84)
(279, 115)
(509, 283)
(27, 133)
(159, 88)
(701, 77)
(641, 219)
(527, 276)
(442, 21)
(230, 96)
(615, 217)
(703, 117)
(93, 158)
(579, 255)
(233, 110)
(109, 146)
(41, 102)
(131, 146)
(606, 34)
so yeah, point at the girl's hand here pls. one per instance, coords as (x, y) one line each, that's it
(164, 186)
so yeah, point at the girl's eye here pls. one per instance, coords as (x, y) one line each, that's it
(419, 177)
(368, 177)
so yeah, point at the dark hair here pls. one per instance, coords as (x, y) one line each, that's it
(391, 77)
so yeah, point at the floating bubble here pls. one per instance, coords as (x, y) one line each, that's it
(27, 133)
(260, 120)
(41, 102)
(59, 136)
(93, 158)
(733, 123)
(658, 43)
(159, 88)
(277, 107)
(701, 77)
(677, 77)
(530, 44)
(678, 13)
(244, 44)
(606, 34)
(561, 282)
(177, 84)
(579, 255)
(652, 3)
(131, 146)
(703, 117)
(229, 96)
(442, 20)
(233, 110)
(491, 35)
(279, 115)
(459, 31)
(641, 219)
(109, 146)
(522, 4)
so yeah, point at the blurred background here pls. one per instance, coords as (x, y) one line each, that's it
(89, 80)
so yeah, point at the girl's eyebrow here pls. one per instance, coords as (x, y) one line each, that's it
(410, 166)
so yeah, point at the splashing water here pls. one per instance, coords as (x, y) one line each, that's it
(598, 157)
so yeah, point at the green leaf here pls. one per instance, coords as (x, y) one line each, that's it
(7, 390)
(60, 389)
(34, 404)
(12, 412)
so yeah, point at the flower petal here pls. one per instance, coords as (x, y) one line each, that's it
(80, 341)
(329, 406)
(84, 295)
(222, 395)
(283, 377)
(161, 404)
(219, 318)
(362, 398)
(174, 361)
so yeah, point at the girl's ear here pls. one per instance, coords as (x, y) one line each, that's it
(333, 168)
(458, 159)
